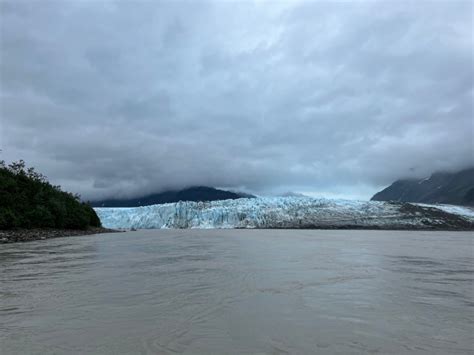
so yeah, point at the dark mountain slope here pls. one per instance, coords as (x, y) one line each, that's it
(451, 188)
(197, 193)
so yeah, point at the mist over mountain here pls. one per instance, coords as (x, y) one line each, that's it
(128, 98)
(441, 187)
(196, 194)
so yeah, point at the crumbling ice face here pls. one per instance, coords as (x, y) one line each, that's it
(275, 212)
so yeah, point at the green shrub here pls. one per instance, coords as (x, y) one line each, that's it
(28, 200)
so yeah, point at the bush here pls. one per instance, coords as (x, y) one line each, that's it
(28, 200)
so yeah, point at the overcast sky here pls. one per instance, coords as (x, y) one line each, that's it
(122, 98)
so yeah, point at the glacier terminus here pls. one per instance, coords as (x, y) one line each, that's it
(291, 213)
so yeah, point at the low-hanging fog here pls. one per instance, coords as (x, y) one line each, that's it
(122, 98)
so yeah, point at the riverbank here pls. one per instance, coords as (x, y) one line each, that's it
(27, 235)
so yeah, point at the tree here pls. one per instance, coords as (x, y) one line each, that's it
(28, 200)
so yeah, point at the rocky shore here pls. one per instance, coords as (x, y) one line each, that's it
(27, 235)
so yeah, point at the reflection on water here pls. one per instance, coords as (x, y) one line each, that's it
(239, 291)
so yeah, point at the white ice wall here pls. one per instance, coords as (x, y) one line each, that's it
(278, 212)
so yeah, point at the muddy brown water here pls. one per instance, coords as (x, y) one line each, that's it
(239, 292)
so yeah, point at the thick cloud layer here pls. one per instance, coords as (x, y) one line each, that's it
(119, 98)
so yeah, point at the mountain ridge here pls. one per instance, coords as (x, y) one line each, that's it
(193, 193)
(441, 187)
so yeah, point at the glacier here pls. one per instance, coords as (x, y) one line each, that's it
(288, 212)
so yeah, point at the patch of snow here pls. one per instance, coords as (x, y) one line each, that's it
(425, 179)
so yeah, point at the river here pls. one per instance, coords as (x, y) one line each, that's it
(239, 292)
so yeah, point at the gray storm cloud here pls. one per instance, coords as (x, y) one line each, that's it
(121, 98)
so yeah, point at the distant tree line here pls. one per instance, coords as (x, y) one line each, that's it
(28, 200)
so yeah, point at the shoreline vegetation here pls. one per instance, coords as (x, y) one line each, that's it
(33, 209)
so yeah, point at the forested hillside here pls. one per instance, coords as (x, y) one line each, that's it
(28, 200)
